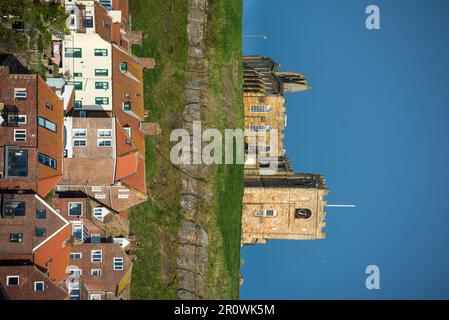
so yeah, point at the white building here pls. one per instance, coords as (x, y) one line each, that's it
(87, 58)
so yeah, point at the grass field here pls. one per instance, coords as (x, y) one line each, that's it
(157, 221)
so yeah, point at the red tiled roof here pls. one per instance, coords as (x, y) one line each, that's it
(126, 166)
(138, 180)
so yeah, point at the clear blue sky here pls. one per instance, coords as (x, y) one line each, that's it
(376, 125)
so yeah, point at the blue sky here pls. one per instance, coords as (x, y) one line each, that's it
(376, 125)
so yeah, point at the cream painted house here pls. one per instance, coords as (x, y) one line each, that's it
(87, 57)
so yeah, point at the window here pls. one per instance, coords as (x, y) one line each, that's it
(118, 263)
(101, 85)
(100, 196)
(101, 72)
(77, 231)
(12, 280)
(77, 74)
(123, 67)
(101, 100)
(123, 196)
(95, 296)
(76, 255)
(96, 255)
(16, 237)
(89, 22)
(48, 106)
(78, 104)
(266, 213)
(79, 132)
(128, 131)
(47, 161)
(259, 128)
(302, 213)
(73, 53)
(104, 143)
(101, 52)
(40, 232)
(98, 213)
(47, 124)
(258, 148)
(96, 189)
(77, 84)
(106, 25)
(39, 286)
(41, 214)
(14, 209)
(83, 114)
(75, 209)
(126, 106)
(20, 93)
(21, 119)
(95, 238)
(261, 108)
(16, 164)
(95, 272)
(77, 272)
(79, 142)
(104, 132)
(20, 135)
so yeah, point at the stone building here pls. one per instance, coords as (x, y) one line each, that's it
(278, 203)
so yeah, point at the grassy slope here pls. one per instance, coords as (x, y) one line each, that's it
(156, 222)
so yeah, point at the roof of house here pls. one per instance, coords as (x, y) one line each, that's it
(25, 289)
(109, 278)
(19, 216)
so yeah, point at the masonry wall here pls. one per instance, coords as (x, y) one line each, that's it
(284, 225)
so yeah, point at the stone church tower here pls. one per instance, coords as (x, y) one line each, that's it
(277, 203)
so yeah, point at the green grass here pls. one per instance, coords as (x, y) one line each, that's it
(157, 221)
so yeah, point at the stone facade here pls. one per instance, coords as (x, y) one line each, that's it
(277, 203)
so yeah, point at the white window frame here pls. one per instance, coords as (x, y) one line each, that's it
(123, 195)
(95, 270)
(263, 213)
(96, 252)
(95, 296)
(15, 276)
(261, 109)
(119, 259)
(68, 209)
(100, 133)
(38, 282)
(104, 140)
(20, 132)
(85, 143)
(100, 196)
(73, 254)
(20, 93)
(96, 188)
(79, 130)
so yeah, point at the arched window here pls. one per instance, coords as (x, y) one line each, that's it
(260, 109)
(270, 213)
(301, 213)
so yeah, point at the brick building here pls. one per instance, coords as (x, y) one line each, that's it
(31, 133)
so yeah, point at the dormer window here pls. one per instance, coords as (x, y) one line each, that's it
(127, 106)
(123, 67)
(301, 213)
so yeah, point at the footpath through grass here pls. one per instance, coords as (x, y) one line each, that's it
(157, 221)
